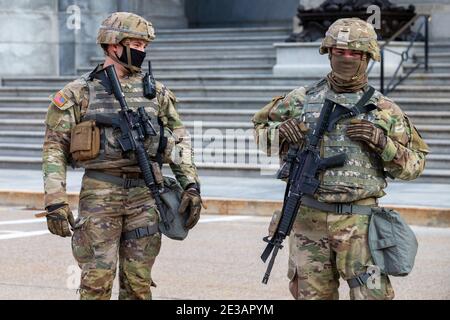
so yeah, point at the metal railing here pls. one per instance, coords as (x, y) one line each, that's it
(405, 55)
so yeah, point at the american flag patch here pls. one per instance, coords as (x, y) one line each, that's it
(59, 99)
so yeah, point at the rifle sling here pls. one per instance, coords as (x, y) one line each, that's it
(359, 108)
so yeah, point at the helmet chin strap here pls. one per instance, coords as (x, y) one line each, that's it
(128, 65)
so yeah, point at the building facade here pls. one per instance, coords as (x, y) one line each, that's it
(53, 37)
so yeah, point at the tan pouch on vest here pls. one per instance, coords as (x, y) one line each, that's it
(85, 141)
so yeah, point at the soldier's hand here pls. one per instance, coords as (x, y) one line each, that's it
(58, 219)
(366, 131)
(191, 202)
(293, 131)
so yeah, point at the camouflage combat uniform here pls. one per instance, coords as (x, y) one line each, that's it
(106, 210)
(324, 246)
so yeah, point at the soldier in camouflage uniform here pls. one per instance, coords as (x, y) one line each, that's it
(114, 200)
(325, 245)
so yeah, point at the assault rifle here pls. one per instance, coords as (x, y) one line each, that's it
(303, 167)
(135, 127)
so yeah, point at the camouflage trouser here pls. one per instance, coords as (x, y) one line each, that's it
(105, 211)
(324, 247)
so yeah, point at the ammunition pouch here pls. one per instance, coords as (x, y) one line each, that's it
(85, 141)
(392, 243)
(171, 199)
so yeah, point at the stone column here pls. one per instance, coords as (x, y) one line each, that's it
(29, 37)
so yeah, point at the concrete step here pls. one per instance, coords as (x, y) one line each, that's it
(217, 168)
(24, 102)
(424, 79)
(213, 154)
(434, 131)
(204, 168)
(227, 103)
(434, 47)
(205, 140)
(259, 68)
(22, 125)
(434, 67)
(161, 50)
(264, 91)
(222, 32)
(410, 91)
(435, 57)
(438, 161)
(201, 140)
(429, 117)
(438, 146)
(219, 41)
(213, 127)
(203, 154)
(18, 137)
(28, 91)
(202, 59)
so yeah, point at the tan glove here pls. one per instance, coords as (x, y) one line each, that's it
(366, 131)
(58, 219)
(293, 131)
(191, 199)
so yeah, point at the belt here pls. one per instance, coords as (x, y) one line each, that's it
(140, 232)
(125, 180)
(338, 208)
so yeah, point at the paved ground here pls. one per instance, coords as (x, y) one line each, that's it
(398, 193)
(219, 260)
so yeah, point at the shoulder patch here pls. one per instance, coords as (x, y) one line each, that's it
(60, 99)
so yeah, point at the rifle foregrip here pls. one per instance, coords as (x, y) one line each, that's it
(289, 213)
(144, 166)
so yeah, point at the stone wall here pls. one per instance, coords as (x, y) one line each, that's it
(39, 38)
(29, 37)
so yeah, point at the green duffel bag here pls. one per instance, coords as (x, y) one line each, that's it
(171, 199)
(392, 243)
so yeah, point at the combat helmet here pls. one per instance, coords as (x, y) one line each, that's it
(121, 25)
(354, 34)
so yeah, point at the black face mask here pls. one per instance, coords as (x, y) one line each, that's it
(137, 58)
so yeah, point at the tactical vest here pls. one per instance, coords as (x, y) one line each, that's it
(100, 102)
(362, 175)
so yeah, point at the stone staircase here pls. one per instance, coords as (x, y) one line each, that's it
(222, 77)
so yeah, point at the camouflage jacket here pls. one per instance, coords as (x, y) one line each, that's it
(403, 156)
(65, 111)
